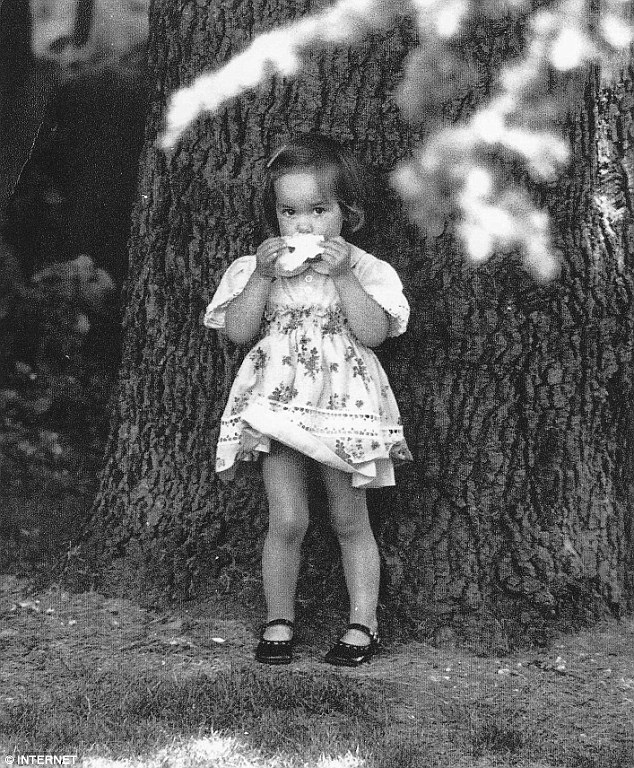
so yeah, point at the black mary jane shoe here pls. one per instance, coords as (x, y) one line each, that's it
(350, 655)
(275, 651)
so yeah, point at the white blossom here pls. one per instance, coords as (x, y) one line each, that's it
(478, 183)
(477, 240)
(570, 49)
(452, 175)
(615, 31)
(275, 52)
(449, 17)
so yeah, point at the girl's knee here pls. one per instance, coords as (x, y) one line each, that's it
(350, 524)
(288, 526)
(348, 508)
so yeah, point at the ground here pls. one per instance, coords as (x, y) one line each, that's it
(571, 704)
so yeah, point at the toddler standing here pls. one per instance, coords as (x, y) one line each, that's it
(311, 389)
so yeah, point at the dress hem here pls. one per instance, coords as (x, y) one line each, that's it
(261, 426)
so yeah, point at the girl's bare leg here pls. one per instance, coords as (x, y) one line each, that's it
(284, 471)
(359, 552)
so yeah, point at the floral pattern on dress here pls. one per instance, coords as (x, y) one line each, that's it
(349, 449)
(359, 367)
(309, 358)
(259, 358)
(337, 402)
(295, 319)
(309, 375)
(335, 322)
(283, 394)
(240, 403)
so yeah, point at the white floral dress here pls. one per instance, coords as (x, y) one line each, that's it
(309, 382)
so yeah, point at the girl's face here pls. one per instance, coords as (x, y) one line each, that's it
(305, 204)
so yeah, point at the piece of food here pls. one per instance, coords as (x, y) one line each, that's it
(301, 248)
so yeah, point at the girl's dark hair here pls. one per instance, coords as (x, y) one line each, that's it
(313, 151)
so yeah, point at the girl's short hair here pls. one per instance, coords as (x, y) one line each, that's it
(319, 153)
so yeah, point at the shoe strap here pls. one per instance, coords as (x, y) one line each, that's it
(366, 630)
(280, 623)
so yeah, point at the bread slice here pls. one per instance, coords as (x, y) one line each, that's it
(301, 248)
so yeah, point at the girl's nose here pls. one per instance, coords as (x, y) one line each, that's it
(304, 226)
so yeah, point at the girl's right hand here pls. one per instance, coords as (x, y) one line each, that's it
(267, 254)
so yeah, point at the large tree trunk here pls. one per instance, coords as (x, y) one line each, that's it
(517, 399)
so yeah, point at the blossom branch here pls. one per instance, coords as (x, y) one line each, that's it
(454, 173)
(275, 52)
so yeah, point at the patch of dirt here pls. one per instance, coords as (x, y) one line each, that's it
(586, 678)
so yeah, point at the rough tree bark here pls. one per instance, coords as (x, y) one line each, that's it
(517, 398)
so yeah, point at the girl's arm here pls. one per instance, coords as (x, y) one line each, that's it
(244, 314)
(368, 320)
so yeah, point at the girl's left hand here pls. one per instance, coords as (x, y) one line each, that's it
(336, 254)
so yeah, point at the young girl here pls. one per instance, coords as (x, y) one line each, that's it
(311, 389)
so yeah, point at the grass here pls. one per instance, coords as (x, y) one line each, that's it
(535, 730)
(269, 718)
(120, 714)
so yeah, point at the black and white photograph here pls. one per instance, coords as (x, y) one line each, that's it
(317, 383)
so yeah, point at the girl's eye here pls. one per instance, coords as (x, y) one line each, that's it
(319, 210)
(287, 211)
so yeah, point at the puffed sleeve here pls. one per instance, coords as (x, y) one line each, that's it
(231, 285)
(380, 280)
